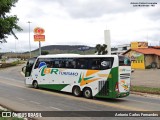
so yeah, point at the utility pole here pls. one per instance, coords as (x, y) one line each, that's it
(107, 41)
(15, 49)
(29, 40)
(39, 47)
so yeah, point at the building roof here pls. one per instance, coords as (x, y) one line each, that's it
(146, 51)
(156, 47)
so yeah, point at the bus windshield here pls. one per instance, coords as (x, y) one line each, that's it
(29, 66)
(124, 61)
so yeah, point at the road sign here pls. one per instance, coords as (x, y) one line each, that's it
(39, 38)
(39, 34)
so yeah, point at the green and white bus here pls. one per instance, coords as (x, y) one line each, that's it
(103, 76)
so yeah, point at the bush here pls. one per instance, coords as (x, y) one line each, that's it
(4, 65)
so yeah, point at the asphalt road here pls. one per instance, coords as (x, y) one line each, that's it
(16, 96)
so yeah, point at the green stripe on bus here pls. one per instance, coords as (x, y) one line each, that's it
(53, 86)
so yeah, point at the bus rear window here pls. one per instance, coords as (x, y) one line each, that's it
(124, 61)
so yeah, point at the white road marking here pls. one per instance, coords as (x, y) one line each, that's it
(34, 102)
(55, 108)
(11, 79)
(20, 98)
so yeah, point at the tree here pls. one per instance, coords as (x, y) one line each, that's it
(44, 52)
(8, 23)
(101, 49)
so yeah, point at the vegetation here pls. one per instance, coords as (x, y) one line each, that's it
(101, 49)
(7, 23)
(44, 52)
(4, 65)
(9, 118)
(145, 89)
(52, 49)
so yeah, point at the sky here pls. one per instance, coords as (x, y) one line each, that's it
(82, 22)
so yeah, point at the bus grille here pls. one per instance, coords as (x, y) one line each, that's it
(103, 88)
(125, 75)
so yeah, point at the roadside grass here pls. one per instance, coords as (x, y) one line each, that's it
(5, 65)
(145, 89)
(17, 62)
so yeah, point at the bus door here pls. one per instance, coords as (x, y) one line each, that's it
(124, 74)
(29, 67)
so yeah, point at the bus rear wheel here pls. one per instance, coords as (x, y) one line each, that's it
(35, 84)
(87, 93)
(76, 91)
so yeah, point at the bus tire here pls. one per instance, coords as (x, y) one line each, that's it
(35, 84)
(87, 93)
(76, 91)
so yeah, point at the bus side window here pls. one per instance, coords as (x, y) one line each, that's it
(94, 64)
(56, 64)
(106, 63)
(82, 63)
(52, 64)
(70, 63)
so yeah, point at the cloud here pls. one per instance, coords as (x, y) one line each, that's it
(153, 13)
(78, 8)
(84, 21)
(92, 8)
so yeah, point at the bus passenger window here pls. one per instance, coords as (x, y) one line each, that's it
(82, 64)
(95, 64)
(106, 63)
(56, 64)
(70, 63)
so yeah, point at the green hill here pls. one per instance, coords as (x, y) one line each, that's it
(53, 49)
(61, 49)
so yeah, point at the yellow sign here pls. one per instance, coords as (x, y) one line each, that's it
(139, 45)
(39, 34)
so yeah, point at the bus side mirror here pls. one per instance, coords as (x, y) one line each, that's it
(24, 69)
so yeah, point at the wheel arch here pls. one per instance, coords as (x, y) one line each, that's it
(34, 81)
(76, 86)
(88, 88)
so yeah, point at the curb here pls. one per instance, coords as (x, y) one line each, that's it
(145, 94)
(3, 108)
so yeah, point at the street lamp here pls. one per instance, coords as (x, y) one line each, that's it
(29, 39)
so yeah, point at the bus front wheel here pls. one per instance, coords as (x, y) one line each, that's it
(35, 84)
(76, 91)
(87, 93)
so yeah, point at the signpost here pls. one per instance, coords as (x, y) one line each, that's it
(39, 37)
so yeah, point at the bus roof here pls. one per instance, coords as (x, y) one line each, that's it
(73, 55)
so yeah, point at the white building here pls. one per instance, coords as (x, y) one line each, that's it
(120, 49)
